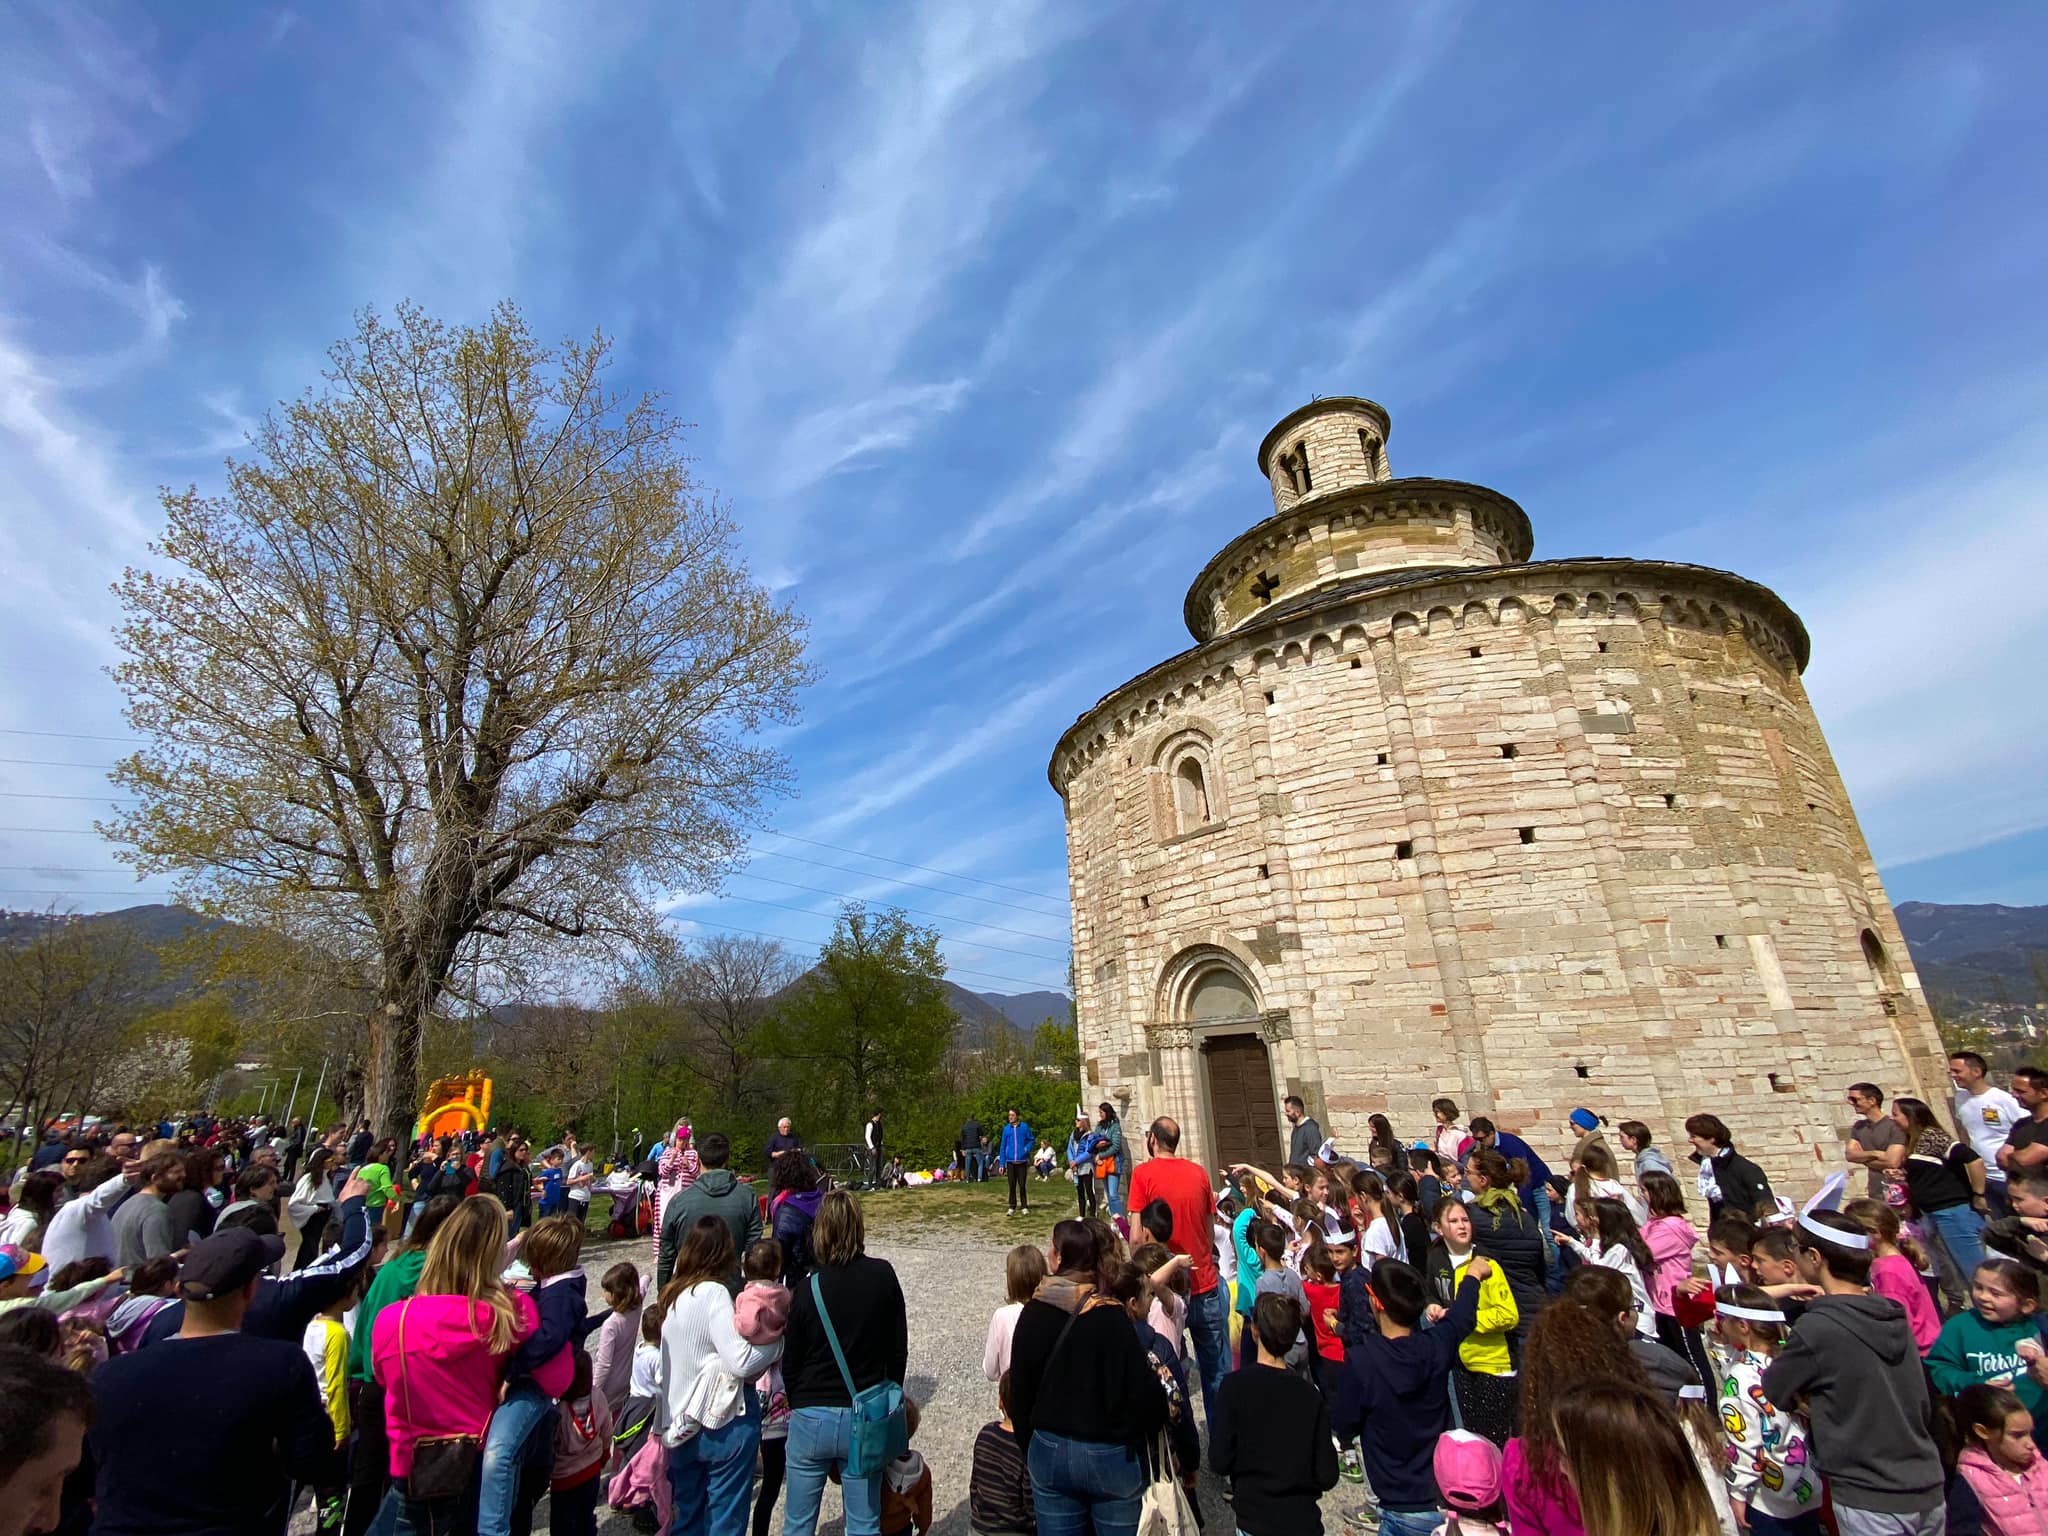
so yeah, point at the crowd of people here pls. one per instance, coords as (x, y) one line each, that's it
(206, 1329)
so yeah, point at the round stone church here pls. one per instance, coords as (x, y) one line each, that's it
(1417, 815)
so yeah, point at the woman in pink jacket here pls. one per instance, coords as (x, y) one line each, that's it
(440, 1357)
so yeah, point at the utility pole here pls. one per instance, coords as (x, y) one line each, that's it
(297, 1073)
(322, 1083)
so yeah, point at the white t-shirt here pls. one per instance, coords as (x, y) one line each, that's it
(1381, 1241)
(1987, 1119)
(579, 1169)
(645, 1377)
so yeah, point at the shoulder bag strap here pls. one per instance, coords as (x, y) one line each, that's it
(404, 1370)
(832, 1336)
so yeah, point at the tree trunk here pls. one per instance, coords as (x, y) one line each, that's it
(350, 1092)
(394, 1086)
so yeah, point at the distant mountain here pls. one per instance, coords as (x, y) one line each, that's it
(977, 1013)
(1968, 955)
(1027, 1009)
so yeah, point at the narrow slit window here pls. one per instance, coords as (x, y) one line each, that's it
(1671, 802)
(1190, 795)
(1381, 759)
(1720, 941)
(1404, 849)
(1262, 872)
(1507, 749)
(1528, 834)
(1301, 459)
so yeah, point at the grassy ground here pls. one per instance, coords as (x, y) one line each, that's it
(975, 1213)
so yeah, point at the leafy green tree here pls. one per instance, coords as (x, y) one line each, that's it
(1056, 1046)
(461, 668)
(869, 1024)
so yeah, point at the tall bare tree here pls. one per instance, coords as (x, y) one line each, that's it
(460, 666)
(711, 1002)
(70, 989)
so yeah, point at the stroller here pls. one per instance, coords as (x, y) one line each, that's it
(632, 1196)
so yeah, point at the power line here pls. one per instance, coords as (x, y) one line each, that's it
(15, 730)
(906, 864)
(915, 885)
(819, 890)
(783, 906)
(43, 762)
(30, 794)
(54, 831)
(783, 938)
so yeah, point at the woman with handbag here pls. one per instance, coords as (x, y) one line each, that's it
(1083, 1396)
(440, 1357)
(710, 1456)
(1115, 1168)
(843, 1361)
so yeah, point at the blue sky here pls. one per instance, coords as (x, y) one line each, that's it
(981, 311)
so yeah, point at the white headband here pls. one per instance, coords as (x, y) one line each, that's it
(1690, 1390)
(1750, 1314)
(1829, 1234)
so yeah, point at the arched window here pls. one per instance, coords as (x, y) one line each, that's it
(1882, 971)
(1190, 795)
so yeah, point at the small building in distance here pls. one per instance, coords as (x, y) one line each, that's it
(1419, 816)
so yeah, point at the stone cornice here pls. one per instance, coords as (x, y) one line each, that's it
(1688, 596)
(1383, 500)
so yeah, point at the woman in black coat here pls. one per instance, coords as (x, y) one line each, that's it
(1083, 1396)
(1742, 1185)
(1505, 1231)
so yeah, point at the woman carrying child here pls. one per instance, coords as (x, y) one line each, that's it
(714, 1415)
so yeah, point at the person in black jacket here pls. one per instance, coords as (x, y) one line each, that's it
(1083, 1397)
(864, 1302)
(1272, 1437)
(1742, 1184)
(1505, 1231)
(513, 1185)
(281, 1309)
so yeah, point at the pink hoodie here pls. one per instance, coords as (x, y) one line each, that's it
(1536, 1505)
(447, 1381)
(1671, 1240)
(1893, 1275)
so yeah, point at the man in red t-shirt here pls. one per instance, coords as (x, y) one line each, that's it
(1185, 1188)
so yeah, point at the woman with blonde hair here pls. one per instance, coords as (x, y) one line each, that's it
(440, 1356)
(1623, 1453)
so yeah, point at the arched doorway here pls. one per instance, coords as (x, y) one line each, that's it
(1240, 1105)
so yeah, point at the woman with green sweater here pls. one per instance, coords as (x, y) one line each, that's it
(369, 1467)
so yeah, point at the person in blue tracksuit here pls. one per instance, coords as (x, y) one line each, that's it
(1013, 1151)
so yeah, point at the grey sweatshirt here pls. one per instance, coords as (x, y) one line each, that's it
(1853, 1361)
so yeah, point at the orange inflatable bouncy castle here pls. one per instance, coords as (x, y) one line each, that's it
(454, 1105)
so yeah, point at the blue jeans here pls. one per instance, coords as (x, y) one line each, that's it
(711, 1476)
(1209, 1325)
(526, 1416)
(1961, 1232)
(1079, 1484)
(1113, 1192)
(818, 1443)
(971, 1165)
(1409, 1522)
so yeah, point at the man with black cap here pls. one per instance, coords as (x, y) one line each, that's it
(209, 1429)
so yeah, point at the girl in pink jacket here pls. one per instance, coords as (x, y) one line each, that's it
(2001, 1483)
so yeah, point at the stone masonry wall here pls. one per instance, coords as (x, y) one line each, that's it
(1567, 835)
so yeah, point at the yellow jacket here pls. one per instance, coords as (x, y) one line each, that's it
(1485, 1350)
